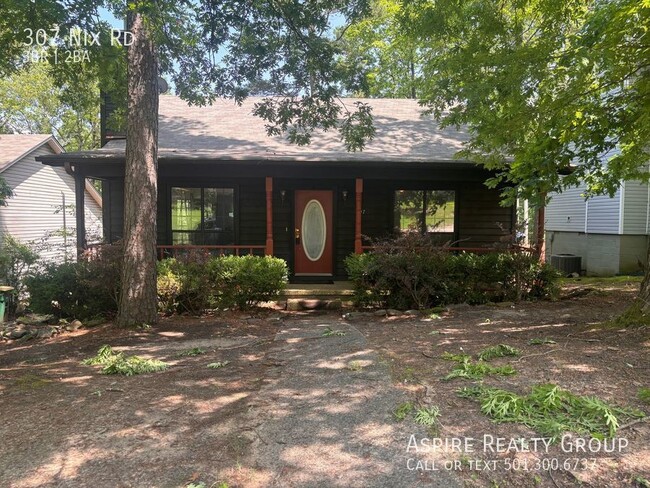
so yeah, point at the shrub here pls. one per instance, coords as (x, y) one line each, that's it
(82, 290)
(184, 283)
(16, 263)
(409, 272)
(245, 281)
(197, 281)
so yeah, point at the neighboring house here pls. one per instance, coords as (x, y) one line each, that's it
(223, 183)
(610, 234)
(35, 212)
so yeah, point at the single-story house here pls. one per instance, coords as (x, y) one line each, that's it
(43, 201)
(609, 234)
(225, 185)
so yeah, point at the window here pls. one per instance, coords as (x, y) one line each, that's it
(425, 211)
(203, 216)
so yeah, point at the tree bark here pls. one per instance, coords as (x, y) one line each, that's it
(138, 300)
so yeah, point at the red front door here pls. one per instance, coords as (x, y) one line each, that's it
(313, 233)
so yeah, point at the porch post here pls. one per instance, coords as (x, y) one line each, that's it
(540, 244)
(269, 216)
(358, 249)
(80, 214)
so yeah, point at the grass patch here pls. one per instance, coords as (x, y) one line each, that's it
(218, 364)
(596, 280)
(551, 411)
(355, 366)
(31, 381)
(541, 342)
(644, 395)
(631, 318)
(329, 332)
(477, 371)
(118, 363)
(458, 358)
(402, 411)
(195, 351)
(498, 351)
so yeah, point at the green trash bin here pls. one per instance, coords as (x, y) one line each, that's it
(3, 298)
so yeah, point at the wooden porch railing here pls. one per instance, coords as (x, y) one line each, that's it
(170, 251)
(476, 250)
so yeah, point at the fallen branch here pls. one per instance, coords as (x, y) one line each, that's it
(633, 422)
(539, 354)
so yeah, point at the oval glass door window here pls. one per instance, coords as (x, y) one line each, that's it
(314, 230)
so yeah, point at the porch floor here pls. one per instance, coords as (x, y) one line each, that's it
(338, 289)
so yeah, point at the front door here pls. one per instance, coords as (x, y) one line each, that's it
(313, 233)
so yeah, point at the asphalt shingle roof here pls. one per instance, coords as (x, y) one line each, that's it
(226, 131)
(15, 146)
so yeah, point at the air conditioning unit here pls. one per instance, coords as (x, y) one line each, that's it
(567, 263)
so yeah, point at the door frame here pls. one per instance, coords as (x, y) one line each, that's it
(331, 224)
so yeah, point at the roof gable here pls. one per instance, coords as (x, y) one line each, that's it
(14, 147)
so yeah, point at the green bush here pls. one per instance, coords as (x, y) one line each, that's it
(245, 281)
(82, 290)
(16, 264)
(196, 282)
(409, 272)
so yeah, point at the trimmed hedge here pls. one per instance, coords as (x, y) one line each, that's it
(197, 281)
(411, 273)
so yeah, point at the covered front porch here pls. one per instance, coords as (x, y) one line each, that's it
(311, 214)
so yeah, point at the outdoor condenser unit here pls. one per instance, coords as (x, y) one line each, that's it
(567, 263)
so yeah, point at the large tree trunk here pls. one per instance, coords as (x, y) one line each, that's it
(138, 297)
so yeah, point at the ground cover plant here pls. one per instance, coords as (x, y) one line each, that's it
(117, 363)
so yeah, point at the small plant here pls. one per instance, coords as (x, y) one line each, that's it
(402, 411)
(355, 366)
(644, 395)
(218, 364)
(329, 332)
(195, 351)
(118, 363)
(540, 342)
(498, 351)
(457, 358)
(641, 482)
(550, 410)
(427, 416)
(477, 371)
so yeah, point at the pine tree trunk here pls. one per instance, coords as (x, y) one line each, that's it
(138, 300)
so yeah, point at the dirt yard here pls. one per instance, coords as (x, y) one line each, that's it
(336, 381)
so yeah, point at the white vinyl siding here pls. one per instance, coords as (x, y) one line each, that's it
(635, 208)
(604, 214)
(566, 211)
(30, 215)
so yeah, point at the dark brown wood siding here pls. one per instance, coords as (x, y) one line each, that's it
(482, 220)
(113, 209)
(478, 209)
